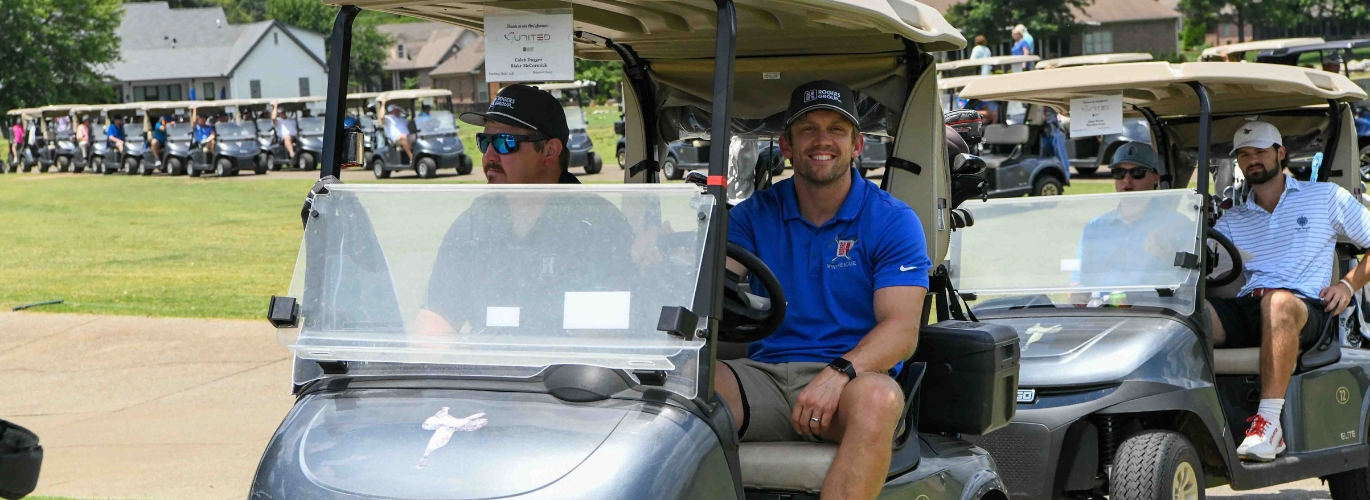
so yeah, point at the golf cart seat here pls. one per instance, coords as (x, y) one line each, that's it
(1247, 360)
(785, 466)
(999, 134)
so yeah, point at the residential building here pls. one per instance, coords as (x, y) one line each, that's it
(464, 74)
(1151, 26)
(181, 54)
(418, 49)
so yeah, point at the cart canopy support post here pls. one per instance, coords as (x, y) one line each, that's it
(340, 54)
(1205, 120)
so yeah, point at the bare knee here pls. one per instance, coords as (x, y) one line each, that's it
(725, 383)
(1283, 311)
(879, 399)
(1215, 324)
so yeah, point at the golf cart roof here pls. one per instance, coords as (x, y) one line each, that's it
(1315, 47)
(55, 110)
(1093, 59)
(1164, 87)
(1220, 52)
(578, 84)
(363, 96)
(395, 95)
(24, 112)
(126, 106)
(685, 29)
(957, 82)
(162, 107)
(985, 61)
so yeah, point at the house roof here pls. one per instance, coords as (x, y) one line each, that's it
(469, 60)
(161, 43)
(1103, 11)
(426, 45)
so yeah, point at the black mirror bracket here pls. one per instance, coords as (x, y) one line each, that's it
(678, 321)
(283, 312)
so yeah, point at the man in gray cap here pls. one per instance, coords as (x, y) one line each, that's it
(1135, 167)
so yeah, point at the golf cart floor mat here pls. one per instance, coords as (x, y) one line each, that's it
(1022, 452)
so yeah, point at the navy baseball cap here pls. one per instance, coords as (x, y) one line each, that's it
(527, 107)
(822, 94)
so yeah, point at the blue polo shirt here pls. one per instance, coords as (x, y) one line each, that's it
(829, 273)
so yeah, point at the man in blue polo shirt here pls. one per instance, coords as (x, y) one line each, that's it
(1290, 228)
(854, 266)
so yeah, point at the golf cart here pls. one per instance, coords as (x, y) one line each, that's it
(59, 142)
(579, 144)
(1010, 147)
(362, 105)
(1093, 59)
(966, 67)
(1236, 52)
(99, 141)
(618, 400)
(176, 152)
(1119, 389)
(235, 145)
(28, 152)
(309, 143)
(433, 139)
(130, 160)
(1334, 57)
(92, 156)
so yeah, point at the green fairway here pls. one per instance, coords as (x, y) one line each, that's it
(148, 246)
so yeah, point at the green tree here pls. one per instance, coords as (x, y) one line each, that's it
(607, 76)
(994, 18)
(54, 49)
(369, 46)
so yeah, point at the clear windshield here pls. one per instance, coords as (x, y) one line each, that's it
(264, 125)
(436, 121)
(500, 280)
(311, 126)
(231, 130)
(575, 118)
(133, 130)
(1106, 250)
(180, 130)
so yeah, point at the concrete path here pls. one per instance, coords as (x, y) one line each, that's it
(145, 408)
(150, 408)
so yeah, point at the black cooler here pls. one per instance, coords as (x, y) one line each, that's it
(971, 382)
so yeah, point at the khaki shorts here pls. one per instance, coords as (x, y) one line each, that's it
(768, 394)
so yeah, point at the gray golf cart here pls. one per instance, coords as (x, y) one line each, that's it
(235, 145)
(433, 139)
(579, 144)
(617, 400)
(1010, 149)
(1120, 393)
(1089, 154)
(59, 144)
(130, 159)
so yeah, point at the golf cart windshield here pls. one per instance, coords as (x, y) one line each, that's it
(1105, 250)
(575, 118)
(180, 130)
(311, 126)
(231, 130)
(436, 121)
(133, 131)
(265, 126)
(437, 280)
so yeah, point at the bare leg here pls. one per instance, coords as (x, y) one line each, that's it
(1215, 326)
(725, 383)
(289, 141)
(404, 143)
(1283, 315)
(864, 425)
(156, 150)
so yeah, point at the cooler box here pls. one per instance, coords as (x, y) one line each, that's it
(972, 377)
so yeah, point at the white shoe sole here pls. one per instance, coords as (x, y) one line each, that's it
(1252, 457)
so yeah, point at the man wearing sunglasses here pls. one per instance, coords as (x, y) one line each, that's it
(524, 141)
(1135, 167)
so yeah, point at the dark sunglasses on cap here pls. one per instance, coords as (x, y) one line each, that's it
(1136, 172)
(505, 143)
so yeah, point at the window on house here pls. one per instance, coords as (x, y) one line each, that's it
(209, 91)
(482, 93)
(1099, 42)
(304, 87)
(256, 88)
(399, 51)
(276, 38)
(157, 93)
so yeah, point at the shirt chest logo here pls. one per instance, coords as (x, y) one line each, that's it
(843, 257)
(1303, 224)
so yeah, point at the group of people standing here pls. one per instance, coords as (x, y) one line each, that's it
(1023, 45)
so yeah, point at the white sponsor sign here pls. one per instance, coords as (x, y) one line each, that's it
(1096, 116)
(596, 310)
(502, 316)
(529, 48)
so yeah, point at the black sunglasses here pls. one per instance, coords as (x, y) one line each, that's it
(1136, 172)
(505, 143)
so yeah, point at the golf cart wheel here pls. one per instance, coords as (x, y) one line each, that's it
(27, 168)
(223, 167)
(593, 163)
(270, 162)
(669, 170)
(378, 168)
(145, 169)
(1365, 164)
(260, 165)
(43, 167)
(426, 168)
(63, 164)
(305, 161)
(466, 165)
(1156, 465)
(1350, 485)
(97, 165)
(1047, 185)
(130, 166)
(622, 158)
(1086, 170)
(192, 171)
(174, 166)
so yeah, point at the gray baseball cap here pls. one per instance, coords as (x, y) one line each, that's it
(1138, 154)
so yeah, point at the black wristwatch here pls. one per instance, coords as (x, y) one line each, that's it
(844, 367)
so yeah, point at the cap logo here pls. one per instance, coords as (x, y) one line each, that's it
(502, 102)
(816, 94)
(1246, 131)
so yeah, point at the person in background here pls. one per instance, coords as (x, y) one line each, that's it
(16, 141)
(1053, 139)
(425, 114)
(83, 137)
(286, 129)
(981, 51)
(204, 133)
(1022, 46)
(397, 130)
(115, 133)
(159, 138)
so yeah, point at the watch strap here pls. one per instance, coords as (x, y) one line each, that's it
(844, 366)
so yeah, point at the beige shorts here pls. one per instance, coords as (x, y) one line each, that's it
(768, 394)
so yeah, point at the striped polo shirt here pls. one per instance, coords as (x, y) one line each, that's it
(1293, 248)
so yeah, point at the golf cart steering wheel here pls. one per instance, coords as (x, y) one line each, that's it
(1236, 257)
(748, 317)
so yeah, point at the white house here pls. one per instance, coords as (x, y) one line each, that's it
(182, 54)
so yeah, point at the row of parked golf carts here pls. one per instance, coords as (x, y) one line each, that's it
(248, 134)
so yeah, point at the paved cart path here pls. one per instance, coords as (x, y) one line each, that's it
(150, 408)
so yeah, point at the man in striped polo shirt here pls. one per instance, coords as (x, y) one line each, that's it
(1290, 228)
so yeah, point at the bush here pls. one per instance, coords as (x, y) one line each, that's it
(1193, 35)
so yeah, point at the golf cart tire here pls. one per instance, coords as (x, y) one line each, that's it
(378, 168)
(593, 163)
(305, 161)
(669, 170)
(130, 166)
(223, 167)
(63, 164)
(466, 165)
(1086, 170)
(270, 162)
(174, 166)
(97, 165)
(622, 158)
(43, 168)
(192, 171)
(1047, 185)
(1148, 466)
(144, 169)
(261, 166)
(426, 168)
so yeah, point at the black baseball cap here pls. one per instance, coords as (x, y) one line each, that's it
(527, 107)
(822, 94)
